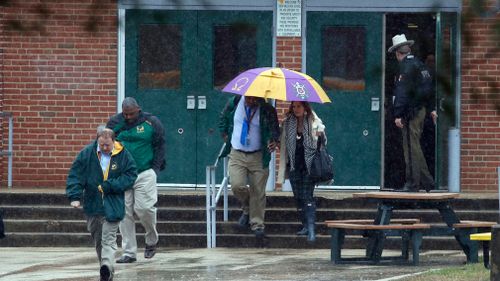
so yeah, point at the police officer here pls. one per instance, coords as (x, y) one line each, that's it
(413, 93)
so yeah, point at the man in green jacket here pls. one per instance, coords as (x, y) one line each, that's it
(144, 136)
(250, 128)
(99, 176)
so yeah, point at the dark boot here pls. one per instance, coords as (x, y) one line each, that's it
(302, 218)
(311, 221)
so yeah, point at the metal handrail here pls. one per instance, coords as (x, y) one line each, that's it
(213, 196)
(9, 152)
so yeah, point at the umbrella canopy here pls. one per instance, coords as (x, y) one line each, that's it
(277, 83)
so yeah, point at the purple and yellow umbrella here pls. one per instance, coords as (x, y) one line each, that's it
(277, 83)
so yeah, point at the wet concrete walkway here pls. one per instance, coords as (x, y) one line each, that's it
(44, 264)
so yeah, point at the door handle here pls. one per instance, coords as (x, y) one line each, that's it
(190, 102)
(202, 102)
(375, 106)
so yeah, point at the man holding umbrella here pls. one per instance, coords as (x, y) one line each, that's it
(251, 131)
(250, 128)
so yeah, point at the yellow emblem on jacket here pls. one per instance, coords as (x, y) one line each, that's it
(140, 129)
(114, 166)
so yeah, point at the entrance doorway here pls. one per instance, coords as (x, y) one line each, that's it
(420, 27)
(177, 62)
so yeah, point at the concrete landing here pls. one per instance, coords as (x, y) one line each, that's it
(224, 264)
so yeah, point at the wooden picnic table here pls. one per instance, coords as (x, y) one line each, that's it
(390, 201)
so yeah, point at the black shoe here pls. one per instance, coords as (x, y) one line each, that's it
(150, 251)
(259, 233)
(409, 188)
(105, 273)
(244, 221)
(126, 259)
(430, 187)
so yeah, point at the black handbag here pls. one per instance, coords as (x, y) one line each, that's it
(322, 164)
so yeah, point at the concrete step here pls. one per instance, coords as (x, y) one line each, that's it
(187, 221)
(54, 212)
(46, 219)
(83, 239)
(284, 200)
(198, 227)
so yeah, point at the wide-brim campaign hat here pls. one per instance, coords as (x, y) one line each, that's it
(398, 41)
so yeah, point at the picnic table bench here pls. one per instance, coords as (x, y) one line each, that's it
(364, 221)
(410, 230)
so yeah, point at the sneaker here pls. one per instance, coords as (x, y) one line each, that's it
(105, 273)
(126, 259)
(150, 251)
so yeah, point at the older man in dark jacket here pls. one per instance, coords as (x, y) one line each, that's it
(99, 176)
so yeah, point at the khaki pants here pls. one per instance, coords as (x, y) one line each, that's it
(246, 168)
(417, 172)
(141, 200)
(104, 235)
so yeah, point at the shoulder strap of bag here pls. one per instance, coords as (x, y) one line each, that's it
(320, 142)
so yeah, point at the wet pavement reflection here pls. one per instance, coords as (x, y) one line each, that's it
(80, 264)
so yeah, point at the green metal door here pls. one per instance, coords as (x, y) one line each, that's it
(344, 53)
(228, 43)
(447, 101)
(176, 62)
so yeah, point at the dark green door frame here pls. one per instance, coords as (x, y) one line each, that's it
(448, 101)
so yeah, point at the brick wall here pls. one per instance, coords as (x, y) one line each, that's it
(289, 55)
(59, 67)
(2, 133)
(480, 123)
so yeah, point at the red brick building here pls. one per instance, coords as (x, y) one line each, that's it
(66, 65)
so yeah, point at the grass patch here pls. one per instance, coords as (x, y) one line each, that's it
(469, 272)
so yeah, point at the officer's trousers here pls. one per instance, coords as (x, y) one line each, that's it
(417, 172)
